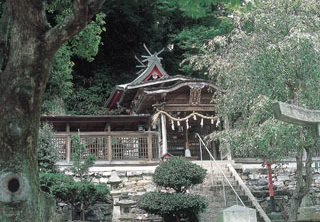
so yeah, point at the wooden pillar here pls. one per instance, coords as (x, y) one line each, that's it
(164, 134)
(108, 126)
(149, 141)
(226, 126)
(68, 143)
(186, 136)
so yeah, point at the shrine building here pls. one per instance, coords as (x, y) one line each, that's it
(163, 115)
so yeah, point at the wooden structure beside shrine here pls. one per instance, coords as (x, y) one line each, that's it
(183, 105)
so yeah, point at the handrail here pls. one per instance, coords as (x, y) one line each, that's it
(248, 193)
(200, 139)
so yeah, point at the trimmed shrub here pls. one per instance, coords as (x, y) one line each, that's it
(167, 205)
(179, 174)
(67, 190)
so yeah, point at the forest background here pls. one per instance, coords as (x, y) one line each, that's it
(86, 69)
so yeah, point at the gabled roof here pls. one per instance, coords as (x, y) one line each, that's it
(153, 67)
(153, 72)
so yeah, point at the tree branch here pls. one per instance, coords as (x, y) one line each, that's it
(83, 11)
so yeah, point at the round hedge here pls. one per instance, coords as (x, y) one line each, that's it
(178, 173)
(173, 205)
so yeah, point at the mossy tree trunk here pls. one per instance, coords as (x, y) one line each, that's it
(27, 48)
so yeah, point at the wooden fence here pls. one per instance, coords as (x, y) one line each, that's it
(112, 146)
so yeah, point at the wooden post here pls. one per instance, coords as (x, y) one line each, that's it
(109, 143)
(271, 192)
(226, 126)
(149, 141)
(109, 149)
(68, 144)
(164, 134)
(186, 139)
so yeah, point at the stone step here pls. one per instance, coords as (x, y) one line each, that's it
(219, 188)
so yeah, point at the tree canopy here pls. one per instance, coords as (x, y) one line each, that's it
(79, 85)
(271, 55)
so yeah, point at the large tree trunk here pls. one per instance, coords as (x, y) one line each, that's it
(302, 185)
(21, 87)
(22, 83)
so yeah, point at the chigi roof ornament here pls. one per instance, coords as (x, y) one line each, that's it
(151, 59)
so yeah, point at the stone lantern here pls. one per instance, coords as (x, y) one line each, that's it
(126, 206)
(114, 180)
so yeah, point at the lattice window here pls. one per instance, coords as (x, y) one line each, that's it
(97, 146)
(60, 143)
(129, 148)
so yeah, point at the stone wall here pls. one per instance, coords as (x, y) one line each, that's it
(256, 178)
(100, 211)
(134, 180)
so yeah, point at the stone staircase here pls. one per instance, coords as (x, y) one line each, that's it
(215, 187)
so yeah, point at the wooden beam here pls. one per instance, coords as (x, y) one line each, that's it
(188, 108)
(112, 133)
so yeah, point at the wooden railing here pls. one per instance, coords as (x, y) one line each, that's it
(112, 146)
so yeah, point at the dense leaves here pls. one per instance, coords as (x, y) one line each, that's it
(271, 55)
(47, 152)
(186, 205)
(81, 80)
(179, 174)
(80, 160)
(67, 190)
(85, 45)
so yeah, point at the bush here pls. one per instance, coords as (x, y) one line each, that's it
(80, 167)
(47, 153)
(47, 180)
(168, 205)
(177, 173)
(67, 190)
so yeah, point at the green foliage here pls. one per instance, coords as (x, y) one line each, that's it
(185, 24)
(47, 180)
(84, 45)
(179, 174)
(47, 152)
(167, 205)
(270, 55)
(80, 165)
(92, 98)
(66, 189)
(199, 8)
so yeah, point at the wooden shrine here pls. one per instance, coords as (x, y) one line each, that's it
(183, 104)
(163, 115)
